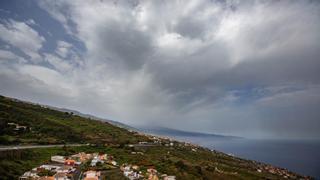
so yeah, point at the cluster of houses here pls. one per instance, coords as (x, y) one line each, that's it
(65, 168)
(275, 170)
(132, 172)
(167, 141)
(54, 171)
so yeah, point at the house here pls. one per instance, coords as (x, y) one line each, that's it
(20, 128)
(50, 167)
(125, 167)
(80, 157)
(58, 159)
(153, 177)
(94, 162)
(133, 175)
(114, 163)
(67, 169)
(11, 124)
(152, 171)
(17, 126)
(103, 156)
(89, 156)
(135, 167)
(130, 173)
(29, 175)
(127, 172)
(92, 175)
(61, 176)
(152, 174)
(69, 162)
(169, 178)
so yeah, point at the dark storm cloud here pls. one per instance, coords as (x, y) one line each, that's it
(190, 27)
(122, 45)
(243, 68)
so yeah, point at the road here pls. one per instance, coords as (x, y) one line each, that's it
(5, 148)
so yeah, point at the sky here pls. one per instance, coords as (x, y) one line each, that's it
(244, 68)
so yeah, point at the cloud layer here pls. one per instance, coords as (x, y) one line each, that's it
(241, 68)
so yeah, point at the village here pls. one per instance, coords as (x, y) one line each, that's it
(98, 166)
(91, 166)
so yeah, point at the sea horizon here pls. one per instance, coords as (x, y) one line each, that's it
(276, 152)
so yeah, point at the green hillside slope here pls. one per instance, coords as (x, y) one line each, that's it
(47, 126)
(26, 123)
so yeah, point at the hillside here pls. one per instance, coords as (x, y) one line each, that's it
(163, 131)
(48, 126)
(23, 123)
(115, 123)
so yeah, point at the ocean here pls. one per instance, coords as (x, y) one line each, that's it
(302, 157)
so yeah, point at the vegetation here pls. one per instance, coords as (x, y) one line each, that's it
(47, 126)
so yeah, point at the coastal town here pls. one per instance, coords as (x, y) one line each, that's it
(99, 165)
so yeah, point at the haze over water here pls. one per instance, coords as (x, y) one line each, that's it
(298, 156)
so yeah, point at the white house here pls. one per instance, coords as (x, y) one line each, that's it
(169, 178)
(92, 175)
(29, 175)
(50, 167)
(59, 159)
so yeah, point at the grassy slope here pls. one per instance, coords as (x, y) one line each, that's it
(50, 126)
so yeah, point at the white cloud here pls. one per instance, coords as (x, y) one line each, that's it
(186, 57)
(43, 74)
(63, 48)
(8, 55)
(190, 64)
(22, 36)
(58, 63)
(260, 29)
